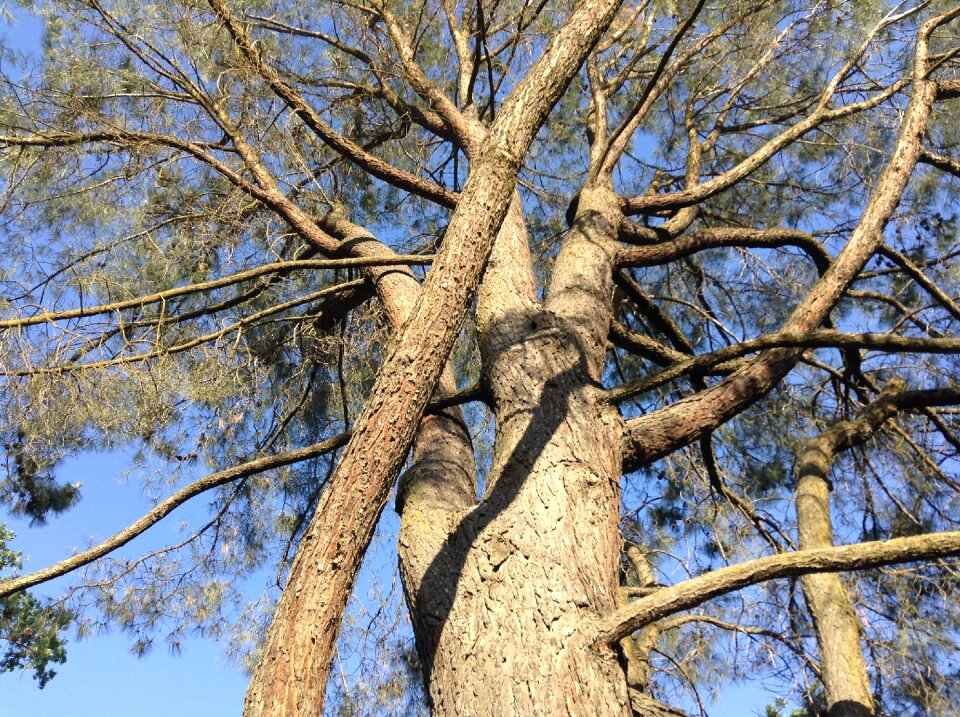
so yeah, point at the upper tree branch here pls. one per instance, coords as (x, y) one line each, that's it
(698, 365)
(300, 107)
(466, 131)
(944, 164)
(667, 251)
(204, 286)
(167, 506)
(659, 433)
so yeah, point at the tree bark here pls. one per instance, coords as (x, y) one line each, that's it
(842, 667)
(499, 606)
(838, 629)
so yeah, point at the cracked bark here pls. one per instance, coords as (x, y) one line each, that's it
(499, 605)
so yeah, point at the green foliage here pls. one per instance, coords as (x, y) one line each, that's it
(30, 629)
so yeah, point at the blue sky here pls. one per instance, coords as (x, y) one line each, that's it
(101, 677)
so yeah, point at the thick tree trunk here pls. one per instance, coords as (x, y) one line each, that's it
(500, 605)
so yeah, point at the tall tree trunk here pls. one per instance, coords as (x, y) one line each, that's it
(500, 605)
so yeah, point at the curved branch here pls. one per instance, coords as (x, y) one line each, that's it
(654, 203)
(163, 509)
(948, 89)
(696, 591)
(214, 480)
(191, 343)
(664, 252)
(916, 273)
(944, 164)
(656, 434)
(786, 339)
(468, 134)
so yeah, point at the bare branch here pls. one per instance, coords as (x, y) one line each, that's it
(204, 286)
(300, 107)
(163, 509)
(815, 339)
(696, 591)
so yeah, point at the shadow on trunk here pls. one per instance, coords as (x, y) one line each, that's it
(438, 589)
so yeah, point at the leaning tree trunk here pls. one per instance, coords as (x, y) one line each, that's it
(501, 601)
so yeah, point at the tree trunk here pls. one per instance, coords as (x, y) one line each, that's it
(843, 670)
(291, 674)
(500, 606)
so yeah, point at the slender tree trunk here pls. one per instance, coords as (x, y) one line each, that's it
(842, 667)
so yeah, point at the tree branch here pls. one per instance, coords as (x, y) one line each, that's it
(816, 339)
(655, 434)
(667, 251)
(163, 509)
(300, 107)
(161, 296)
(696, 591)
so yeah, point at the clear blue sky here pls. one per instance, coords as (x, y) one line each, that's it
(101, 677)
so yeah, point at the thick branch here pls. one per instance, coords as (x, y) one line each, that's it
(948, 89)
(696, 591)
(837, 627)
(944, 164)
(698, 365)
(659, 433)
(665, 252)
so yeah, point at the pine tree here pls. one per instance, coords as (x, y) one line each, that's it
(686, 348)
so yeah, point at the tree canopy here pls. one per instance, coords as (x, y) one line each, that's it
(643, 314)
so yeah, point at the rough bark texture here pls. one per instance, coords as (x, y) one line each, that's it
(696, 591)
(499, 605)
